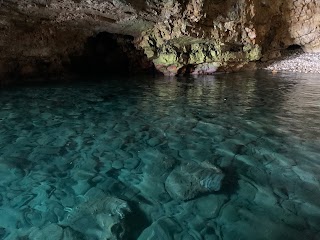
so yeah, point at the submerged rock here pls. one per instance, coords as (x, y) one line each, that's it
(164, 228)
(156, 168)
(191, 179)
(50, 231)
(101, 218)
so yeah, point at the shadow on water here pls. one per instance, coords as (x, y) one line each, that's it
(230, 183)
(135, 222)
(2, 233)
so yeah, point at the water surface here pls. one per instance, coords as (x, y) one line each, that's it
(71, 148)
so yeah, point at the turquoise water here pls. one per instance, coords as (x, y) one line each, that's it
(95, 160)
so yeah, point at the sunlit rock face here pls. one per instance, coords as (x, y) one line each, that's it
(178, 36)
(304, 24)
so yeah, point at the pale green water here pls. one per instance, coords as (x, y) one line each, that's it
(68, 152)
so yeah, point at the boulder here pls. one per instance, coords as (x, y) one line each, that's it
(192, 179)
(98, 218)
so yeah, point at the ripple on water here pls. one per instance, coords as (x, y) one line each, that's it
(68, 150)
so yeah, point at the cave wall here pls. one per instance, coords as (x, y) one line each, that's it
(197, 36)
(29, 51)
(229, 35)
(106, 53)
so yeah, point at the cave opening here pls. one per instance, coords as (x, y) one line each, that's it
(294, 47)
(107, 53)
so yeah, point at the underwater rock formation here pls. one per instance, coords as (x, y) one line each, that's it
(100, 218)
(164, 228)
(192, 179)
(156, 168)
(50, 231)
(178, 36)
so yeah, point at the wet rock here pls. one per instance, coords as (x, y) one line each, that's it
(99, 218)
(51, 231)
(168, 33)
(205, 68)
(117, 164)
(191, 179)
(164, 228)
(170, 70)
(156, 164)
(131, 163)
(156, 168)
(209, 206)
(70, 234)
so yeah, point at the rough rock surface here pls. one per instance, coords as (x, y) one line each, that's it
(158, 230)
(192, 179)
(100, 218)
(38, 36)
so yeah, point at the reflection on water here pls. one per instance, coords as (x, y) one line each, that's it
(102, 160)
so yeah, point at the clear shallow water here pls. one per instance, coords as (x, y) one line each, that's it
(69, 153)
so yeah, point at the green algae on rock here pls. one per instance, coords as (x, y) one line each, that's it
(175, 35)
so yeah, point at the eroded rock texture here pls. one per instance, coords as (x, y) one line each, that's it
(193, 36)
(193, 179)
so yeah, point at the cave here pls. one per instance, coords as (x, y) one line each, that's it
(294, 47)
(159, 119)
(106, 53)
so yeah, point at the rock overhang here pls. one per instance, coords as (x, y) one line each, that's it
(173, 34)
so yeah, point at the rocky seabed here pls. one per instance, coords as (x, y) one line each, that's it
(80, 163)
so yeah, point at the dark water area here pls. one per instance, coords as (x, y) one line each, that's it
(96, 159)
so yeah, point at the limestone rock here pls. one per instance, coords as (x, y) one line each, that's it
(100, 218)
(163, 228)
(205, 68)
(155, 171)
(191, 179)
(40, 37)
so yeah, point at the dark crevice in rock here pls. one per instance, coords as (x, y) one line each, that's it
(101, 55)
(294, 47)
(235, 48)
(186, 70)
(108, 53)
(38, 39)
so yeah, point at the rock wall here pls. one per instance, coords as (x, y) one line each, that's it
(178, 36)
(304, 23)
(30, 51)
